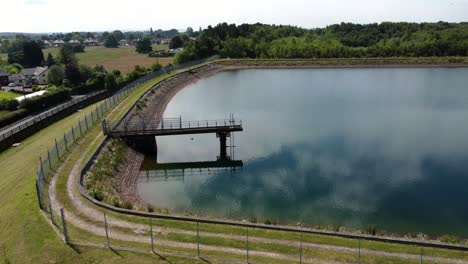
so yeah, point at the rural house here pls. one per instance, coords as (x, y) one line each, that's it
(74, 42)
(47, 43)
(58, 43)
(35, 76)
(17, 79)
(91, 42)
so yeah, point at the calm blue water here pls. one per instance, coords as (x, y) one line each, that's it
(346, 147)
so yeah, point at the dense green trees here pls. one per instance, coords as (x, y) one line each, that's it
(343, 40)
(176, 42)
(111, 41)
(144, 46)
(55, 75)
(66, 55)
(29, 54)
(50, 60)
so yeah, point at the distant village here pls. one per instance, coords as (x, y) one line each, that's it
(90, 42)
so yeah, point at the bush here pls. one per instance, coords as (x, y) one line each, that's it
(450, 239)
(370, 230)
(96, 194)
(46, 100)
(127, 205)
(10, 105)
(13, 117)
(156, 67)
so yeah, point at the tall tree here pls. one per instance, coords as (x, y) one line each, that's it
(144, 45)
(29, 54)
(189, 31)
(50, 60)
(176, 42)
(72, 73)
(55, 75)
(66, 55)
(111, 41)
(118, 35)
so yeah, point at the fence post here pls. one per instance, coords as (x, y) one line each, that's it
(73, 133)
(247, 245)
(300, 249)
(359, 252)
(151, 235)
(86, 122)
(56, 148)
(92, 117)
(65, 230)
(107, 232)
(420, 256)
(198, 242)
(38, 190)
(51, 210)
(42, 168)
(65, 140)
(81, 130)
(48, 158)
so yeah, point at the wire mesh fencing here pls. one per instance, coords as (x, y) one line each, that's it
(216, 243)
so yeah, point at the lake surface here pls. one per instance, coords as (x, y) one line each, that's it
(341, 147)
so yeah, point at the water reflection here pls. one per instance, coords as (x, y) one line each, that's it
(353, 147)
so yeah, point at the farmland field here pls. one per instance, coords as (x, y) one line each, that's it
(122, 58)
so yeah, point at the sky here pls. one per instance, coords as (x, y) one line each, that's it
(100, 15)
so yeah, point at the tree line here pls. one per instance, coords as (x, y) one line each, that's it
(345, 40)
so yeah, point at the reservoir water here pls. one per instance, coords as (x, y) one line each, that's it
(340, 147)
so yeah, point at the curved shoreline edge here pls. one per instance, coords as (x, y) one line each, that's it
(178, 83)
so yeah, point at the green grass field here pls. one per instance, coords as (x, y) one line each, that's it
(8, 95)
(122, 58)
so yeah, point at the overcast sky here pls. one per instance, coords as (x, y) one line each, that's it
(100, 15)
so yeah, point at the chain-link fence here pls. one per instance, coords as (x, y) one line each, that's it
(217, 243)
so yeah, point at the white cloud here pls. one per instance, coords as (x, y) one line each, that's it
(91, 15)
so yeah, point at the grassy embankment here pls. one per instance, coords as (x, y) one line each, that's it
(240, 244)
(29, 239)
(122, 58)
